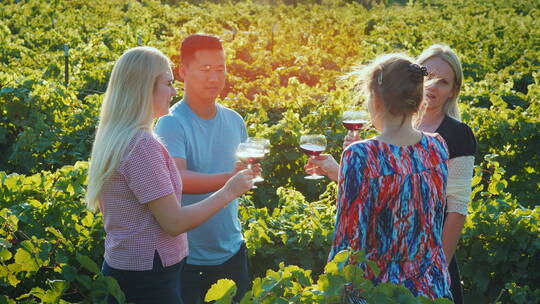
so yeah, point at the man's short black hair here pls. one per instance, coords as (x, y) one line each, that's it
(197, 42)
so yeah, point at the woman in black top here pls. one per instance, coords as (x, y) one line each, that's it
(441, 115)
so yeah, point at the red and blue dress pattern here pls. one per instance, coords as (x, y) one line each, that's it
(390, 204)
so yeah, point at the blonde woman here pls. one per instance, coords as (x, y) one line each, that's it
(441, 115)
(134, 182)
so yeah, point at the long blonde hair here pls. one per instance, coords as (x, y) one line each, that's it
(126, 109)
(445, 53)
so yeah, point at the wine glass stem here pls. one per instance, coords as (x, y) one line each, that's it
(354, 133)
(314, 167)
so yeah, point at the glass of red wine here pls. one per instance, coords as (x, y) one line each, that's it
(355, 120)
(313, 145)
(265, 143)
(250, 153)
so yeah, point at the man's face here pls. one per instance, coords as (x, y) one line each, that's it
(204, 76)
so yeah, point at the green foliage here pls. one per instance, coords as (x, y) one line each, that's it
(292, 284)
(295, 232)
(222, 291)
(284, 63)
(500, 243)
(285, 59)
(50, 245)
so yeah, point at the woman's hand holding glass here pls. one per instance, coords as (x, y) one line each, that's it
(250, 153)
(354, 121)
(324, 164)
(265, 143)
(239, 183)
(313, 145)
(350, 138)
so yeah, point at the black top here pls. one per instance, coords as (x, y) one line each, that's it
(458, 136)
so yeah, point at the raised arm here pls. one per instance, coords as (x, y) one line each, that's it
(174, 219)
(197, 183)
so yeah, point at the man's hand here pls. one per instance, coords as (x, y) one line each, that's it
(349, 139)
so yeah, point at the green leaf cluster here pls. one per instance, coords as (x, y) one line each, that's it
(285, 59)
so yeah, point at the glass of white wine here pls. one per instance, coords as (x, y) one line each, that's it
(265, 143)
(250, 153)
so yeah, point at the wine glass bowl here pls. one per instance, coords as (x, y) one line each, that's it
(262, 141)
(250, 153)
(313, 145)
(265, 143)
(355, 120)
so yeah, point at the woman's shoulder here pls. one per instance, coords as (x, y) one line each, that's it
(438, 141)
(147, 139)
(455, 127)
(361, 146)
(435, 136)
(143, 142)
(458, 136)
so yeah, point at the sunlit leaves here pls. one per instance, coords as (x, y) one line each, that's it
(223, 291)
(284, 64)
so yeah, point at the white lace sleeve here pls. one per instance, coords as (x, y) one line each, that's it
(458, 189)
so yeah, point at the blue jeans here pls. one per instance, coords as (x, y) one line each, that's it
(159, 285)
(197, 279)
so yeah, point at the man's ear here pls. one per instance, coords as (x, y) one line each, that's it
(181, 72)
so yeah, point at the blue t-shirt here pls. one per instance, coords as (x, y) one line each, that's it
(208, 146)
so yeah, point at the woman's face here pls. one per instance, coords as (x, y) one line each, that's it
(440, 85)
(163, 94)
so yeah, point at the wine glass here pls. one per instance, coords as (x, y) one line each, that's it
(313, 145)
(262, 141)
(355, 120)
(265, 143)
(250, 153)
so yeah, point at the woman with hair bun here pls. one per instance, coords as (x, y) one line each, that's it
(391, 188)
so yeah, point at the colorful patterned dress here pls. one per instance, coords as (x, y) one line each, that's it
(390, 204)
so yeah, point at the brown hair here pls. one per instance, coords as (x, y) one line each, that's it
(396, 80)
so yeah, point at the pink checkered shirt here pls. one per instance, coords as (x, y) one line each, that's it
(147, 172)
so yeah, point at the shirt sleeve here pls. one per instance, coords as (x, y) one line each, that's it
(458, 189)
(146, 171)
(172, 135)
(241, 126)
(244, 132)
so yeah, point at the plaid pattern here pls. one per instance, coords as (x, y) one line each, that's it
(147, 172)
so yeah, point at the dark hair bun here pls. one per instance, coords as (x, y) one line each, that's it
(417, 72)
